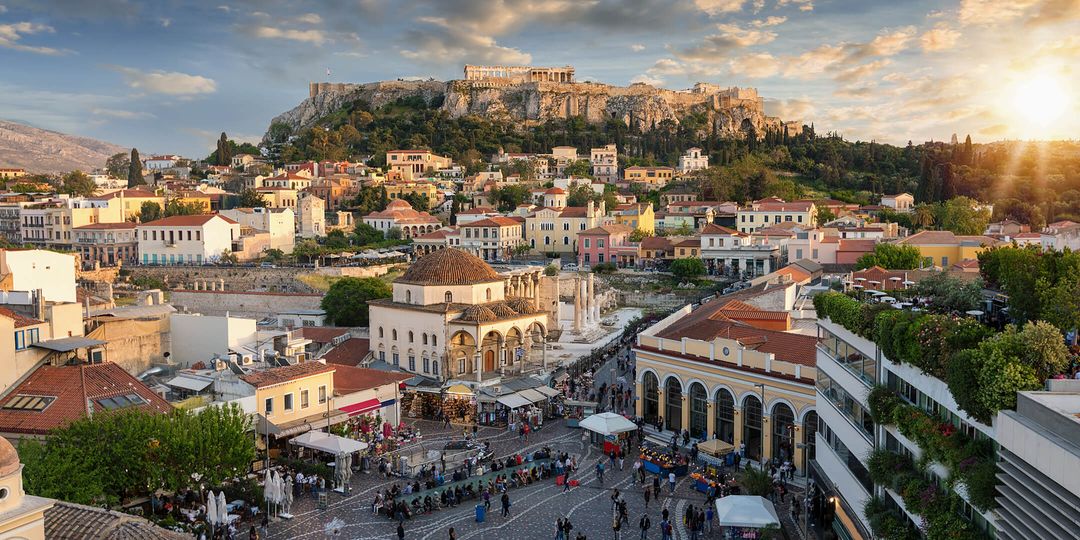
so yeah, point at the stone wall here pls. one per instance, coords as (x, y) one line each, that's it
(133, 345)
(236, 278)
(242, 304)
(357, 271)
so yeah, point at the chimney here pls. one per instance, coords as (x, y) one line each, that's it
(39, 304)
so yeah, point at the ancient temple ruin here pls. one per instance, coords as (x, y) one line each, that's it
(519, 74)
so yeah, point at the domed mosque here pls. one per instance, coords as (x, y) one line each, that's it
(452, 316)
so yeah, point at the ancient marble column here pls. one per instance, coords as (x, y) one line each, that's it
(593, 310)
(577, 306)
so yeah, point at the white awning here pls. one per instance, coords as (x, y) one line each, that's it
(746, 511)
(329, 443)
(189, 383)
(513, 401)
(547, 391)
(533, 396)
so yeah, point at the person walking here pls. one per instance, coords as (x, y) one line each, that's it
(644, 524)
(665, 529)
(505, 504)
(656, 487)
(671, 481)
(453, 534)
(400, 531)
(648, 495)
(487, 500)
(560, 534)
(637, 471)
(622, 458)
(600, 471)
(566, 481)
(709, 516)
(567, 527)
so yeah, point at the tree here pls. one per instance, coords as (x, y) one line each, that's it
(825, 215)
(118, 165)
(961, 216)
(177, 207)
(134, 175)
(224, 152)
(687, 268)
(307, 249)
(923, 216)
(891, 257)
(274, 255)
(346, 303)
(149, 211)
(949, 294)
(580, 168)
(77, 184)
(638, 235)
(228, 257)
(336, 239)
(1020, 211)
(250, 198)
(365, 235)
(551, 270)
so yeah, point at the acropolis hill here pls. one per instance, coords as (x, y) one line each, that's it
(530, 94)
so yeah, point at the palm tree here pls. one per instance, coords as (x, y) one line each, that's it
(924, 216)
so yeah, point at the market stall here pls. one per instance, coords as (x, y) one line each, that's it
(575, 411)
(611, 427)
(723, 451)
(713, 477)
(744, 516)
(659, 462)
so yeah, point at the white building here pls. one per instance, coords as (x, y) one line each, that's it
(774, 211)
(279, 222)
(194, 239)
(33, 269)
(725, 250)
(312, 216)
(491, 239)
(399, 214)
(160, 163)
(901, 202)
(197, 338)
(693, 160)
(605, 163)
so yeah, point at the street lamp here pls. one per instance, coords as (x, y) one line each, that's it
(761, 437)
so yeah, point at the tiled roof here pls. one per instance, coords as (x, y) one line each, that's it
(774, 231)
(106, 226)
(132, 193)
(699, 324)
(847, 244)
(278, 375)
(713, 228)
(185, 221)
(322, 334)
(555, 191)
(20, 319)
(655, 242)
(71, 521)
(689, 242)
(574, 211)
(401, 211)
(783, 207)
(478, 210)
(348, 379)
(609, 229)
(494, 221)
(440, 234)
(1028, 235)
(798, 275)
(75, 389)
(449, 266)
(347, 353)
(947, 238)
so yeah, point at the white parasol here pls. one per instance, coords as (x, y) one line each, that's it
(211, 509)
(607, 423)
(222, 509)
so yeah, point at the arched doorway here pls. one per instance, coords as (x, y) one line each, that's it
(651, 386)
(810, 423)
(489, 360)
(673, 409)
(699, 411)
(752, 427)
(783, 435)
(725, 416)
(514, 346)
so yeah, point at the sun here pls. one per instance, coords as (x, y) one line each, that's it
(1038, 102)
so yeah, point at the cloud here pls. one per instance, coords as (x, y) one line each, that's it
(769, 21)
(12, 34)
(171, 83)
(317, 37)
(648, 79)
(790, 109)
(637, 47)
(732, 37)
(719, 7)
(120, 114)
(804, 5)
(939, 38)
(985, 12)
(756, 65)
(889, 43)
(165, 22)
(309, 18)
(1055, 11)
(457, 45)
(996, 130)
(861, 72)
(3, 9)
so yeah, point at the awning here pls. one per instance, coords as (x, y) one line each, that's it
(300, 425)
(67, 344)
(367, 405)
(329, 443)
(533, 396)
(746, 511)
(460, 389)
(547, 391)
(513, 401)
(716, 447)
(189, 383)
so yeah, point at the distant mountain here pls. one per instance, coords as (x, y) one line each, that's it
(43, 151)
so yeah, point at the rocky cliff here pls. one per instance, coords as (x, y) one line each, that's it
(641, 106)
(43, 151)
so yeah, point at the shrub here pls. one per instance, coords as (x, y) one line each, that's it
(883, 403)
(604, 268)
(756, 481)
(840, 308)
(551, 270)
(980, 479)
(962, 377)
(884, 465)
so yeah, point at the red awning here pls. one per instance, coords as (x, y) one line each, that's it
(362, 407)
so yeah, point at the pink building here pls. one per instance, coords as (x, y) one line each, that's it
(603, 244)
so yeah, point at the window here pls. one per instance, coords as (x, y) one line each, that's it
(322, 394)
(20, 340)
(410, 336)
(449, 297)
(397, 360)
(846, 404)
(566, 240)
(303, 399)
(427, 364)
(487, 294)
(424, 338)
(788, 218)
(408, 297)
(268, 406)
(412, 363)
(599, 243)
(434, 340)
(600, 258)
(380, 332)
(587, 243)
(944, 262)
(798, 254)
(461, 365)
(587, 258)
(288, 402)
(393, 334)
(435, 367)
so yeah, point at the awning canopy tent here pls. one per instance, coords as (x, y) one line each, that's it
(716, 447)
(362, 407)
(67, 344)
(460, 390)
(532, 396)
(300, 425)
(547, 391)
(328, 442)
(748, 511)
(607, 423)
(188, 383)
(513, 401)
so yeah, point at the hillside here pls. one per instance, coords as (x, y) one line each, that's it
(43, 151)
(717, 111)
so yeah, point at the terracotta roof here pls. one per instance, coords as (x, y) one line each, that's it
(401, 211)
(278, 375)
(106, 226)
(574, 211)
(440, 234)
(853, 244)
(699, 324)
(449, 266)
(20, 319)
(348, 379)
(74, 389)
(782, 207)
(185, 221)
(967, 263)
(774, 231)
(689, 242)
(555, 191)
(924, 238)
(348, 353)
(479, 210)
(133, 193)
(655, 242)
(713, 228)
(798, 275)
(495, 221)
(72, 521)
(609, 229)
(322, 334)
(1028, 235)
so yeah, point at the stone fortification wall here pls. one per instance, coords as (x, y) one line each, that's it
(241, 304)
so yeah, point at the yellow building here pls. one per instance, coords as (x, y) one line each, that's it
(428, 190)
(943, 248)
(412, 164)
(636, 216)
(702, 371)
(774, 211)
(651, 177)
(11, 174)
(293, 399)
(132, 200)
(555, 230)
(279, 197)
(201, 200)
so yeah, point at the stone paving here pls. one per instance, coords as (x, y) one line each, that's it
(534, 510)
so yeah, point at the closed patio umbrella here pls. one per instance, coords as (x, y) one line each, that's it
(222, 508)
(211, 509)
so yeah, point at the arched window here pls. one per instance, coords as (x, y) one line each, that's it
(435, 367)
(489, 294)
(434, 340)
(425, 339)
(410, 336)
(449, 297)
(408, 297)
(380, 332)
(393, 333)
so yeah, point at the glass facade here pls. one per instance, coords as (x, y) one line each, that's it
(860, 365)
(846, 403)
(849, 459)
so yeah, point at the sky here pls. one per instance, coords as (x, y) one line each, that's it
(168, 76)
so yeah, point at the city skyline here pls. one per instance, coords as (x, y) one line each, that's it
(170, 76)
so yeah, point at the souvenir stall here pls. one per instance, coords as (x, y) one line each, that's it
(721, 451)
(422, 398)
(610, 427)
(661, 462)
(746, 516)
(575, 411)
(459, 404)
(712, 477)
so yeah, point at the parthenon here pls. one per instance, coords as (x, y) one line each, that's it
(520, 74)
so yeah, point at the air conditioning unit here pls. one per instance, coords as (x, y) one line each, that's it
(220, 365)
(246, 360)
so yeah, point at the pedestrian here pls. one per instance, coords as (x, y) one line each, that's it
(567, 526)
(453, 534)
(637, 471)
(505, 504)
(656, 487)
(671, 481)
(665, 529)
(487, 500)
(614, 497)
(709, 515)
(566, 481)
(616, 526)
(622, 457)
(647, 497)
(253, 534)
(560, 534)
(400, 531)
(600, 471)
(644, 523)
(742, 450)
